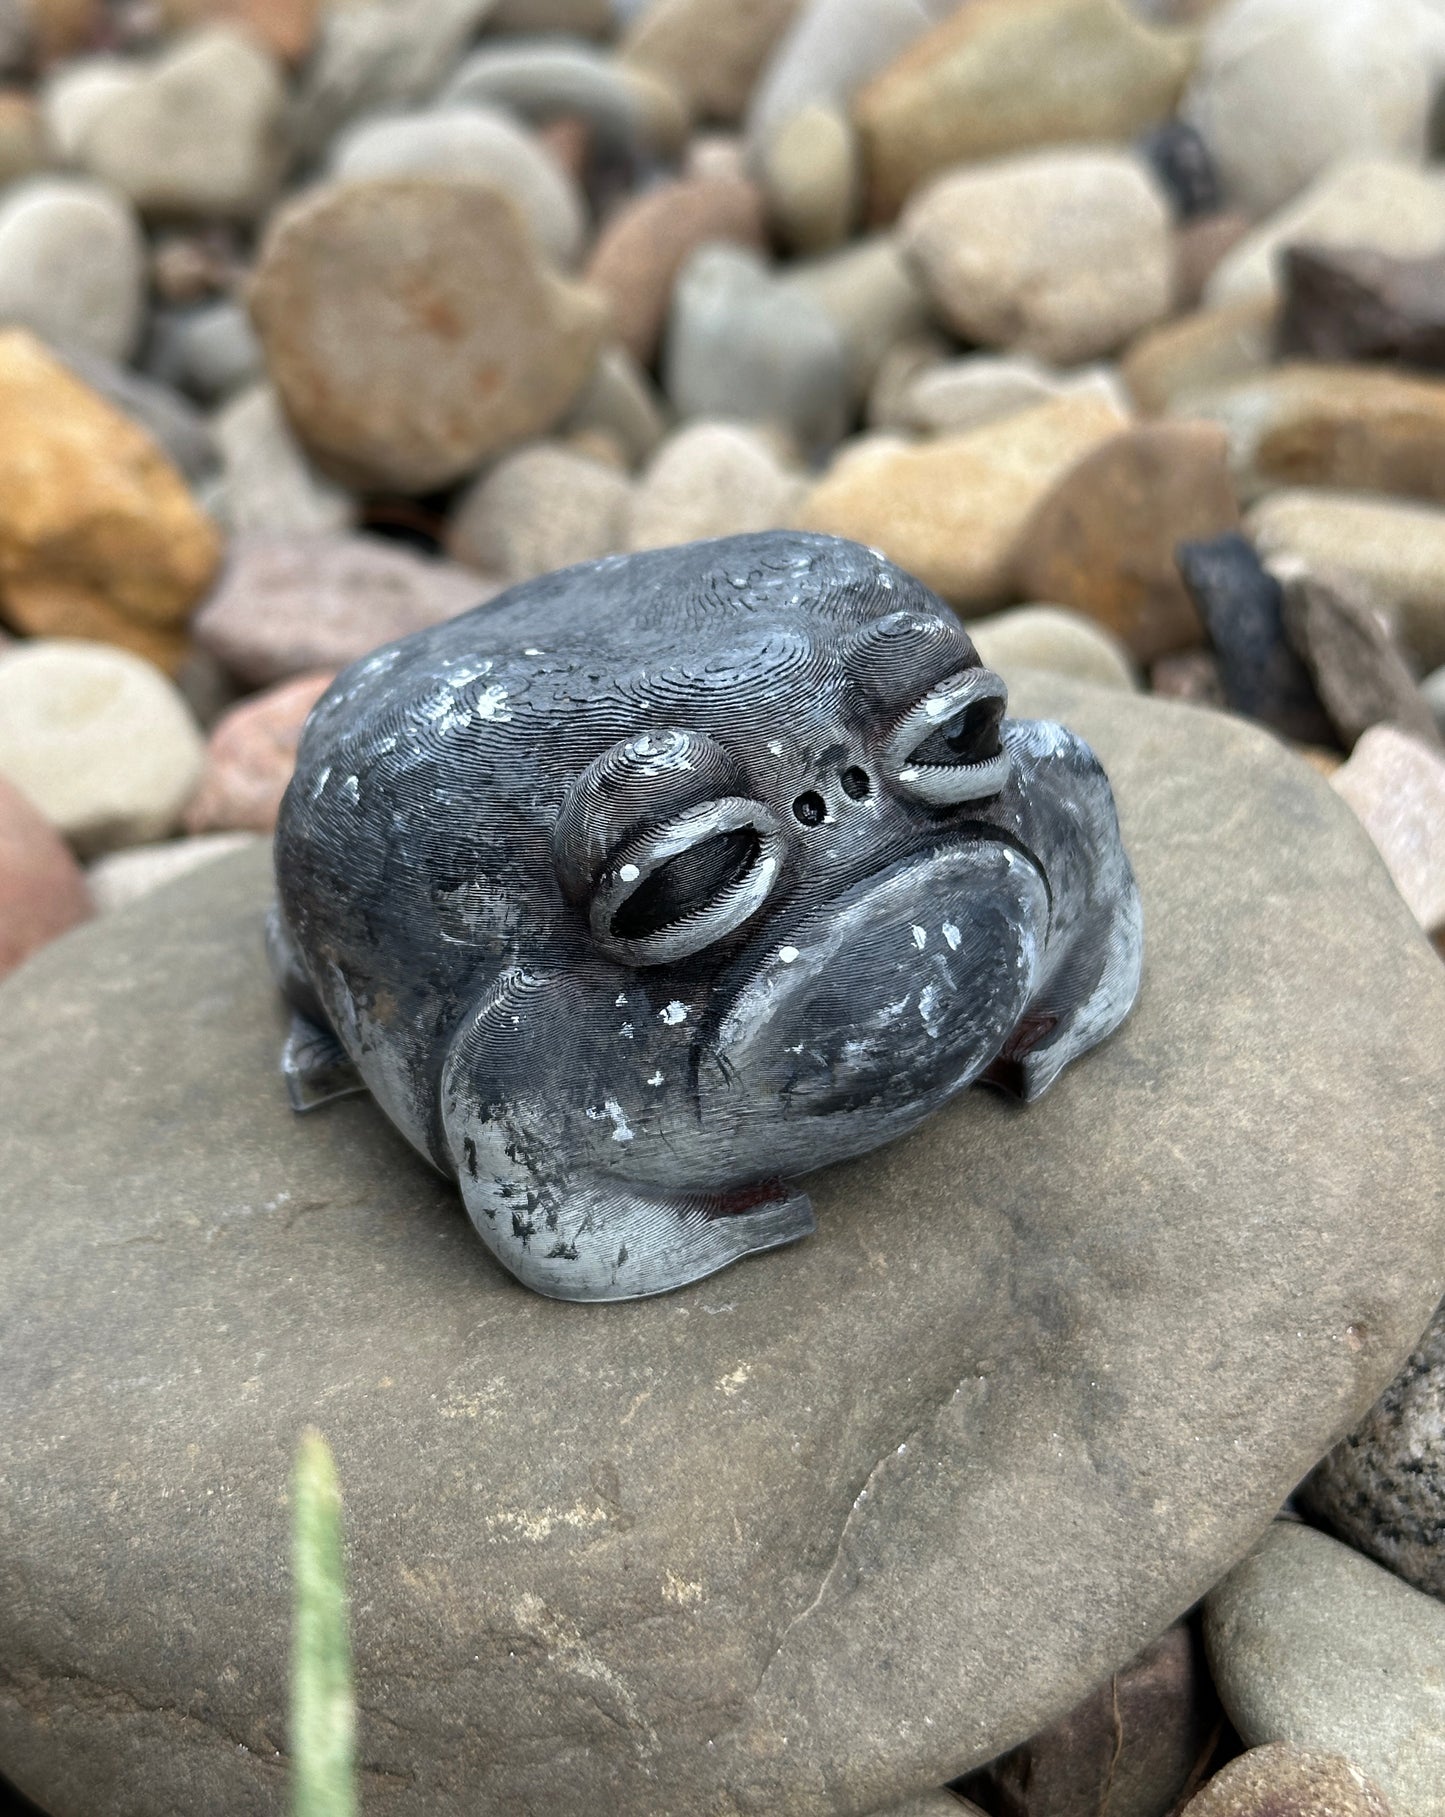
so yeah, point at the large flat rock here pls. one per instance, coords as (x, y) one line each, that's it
(815, 1534)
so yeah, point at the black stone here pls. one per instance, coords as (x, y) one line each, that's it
(1242, 606)
(1181, 161)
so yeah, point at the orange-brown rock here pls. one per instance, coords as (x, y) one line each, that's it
(250, 756)
(42, 888)
(413, 328)
(1103, 540)
(644, 245)
(1357, 428)
(999, 76)
(951, 510)
(99, 535)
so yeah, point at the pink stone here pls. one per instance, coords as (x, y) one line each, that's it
(42, 888)
(250, 757)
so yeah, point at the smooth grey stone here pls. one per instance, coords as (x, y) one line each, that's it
(72, 265)
(542, 77)
(478, 143)
(828, 53)
(741, 344)
(269, 483)
(1382, 1489)
(619, 399)
(1433, 688)
(769, 1543)
(868, 293)
(210, 351)
(374, 55)
(1312, 1643)
(178, 426)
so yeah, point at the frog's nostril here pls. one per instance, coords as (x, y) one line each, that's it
(810, 808)
(855, 782)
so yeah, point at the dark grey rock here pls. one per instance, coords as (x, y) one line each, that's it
(1130, 1749)
(772, 1543)
(1359, 304)
(1242, 606)
(1360, 676)
(1383, 1488)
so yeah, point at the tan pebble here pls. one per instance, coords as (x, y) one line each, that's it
(1000, 76)
(951, 510)
(412, 329)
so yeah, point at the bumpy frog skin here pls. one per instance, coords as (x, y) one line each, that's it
(663, 880)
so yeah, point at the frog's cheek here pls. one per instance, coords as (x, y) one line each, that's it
(890, 1000)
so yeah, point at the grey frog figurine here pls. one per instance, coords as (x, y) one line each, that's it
(660, 881)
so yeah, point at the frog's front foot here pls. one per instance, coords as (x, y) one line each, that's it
(600, 1240)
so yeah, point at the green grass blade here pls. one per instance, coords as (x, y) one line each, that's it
(323, 1703)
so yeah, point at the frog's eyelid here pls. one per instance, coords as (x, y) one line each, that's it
(946, 784)
(893, 658)
(640, 781)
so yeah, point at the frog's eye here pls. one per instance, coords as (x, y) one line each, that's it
(947, 749)
(659, 844)
(680, 886)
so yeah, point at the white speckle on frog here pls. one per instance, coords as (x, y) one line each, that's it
(674, 1013)
(890, 1012)
(629, 873)
(796, 1050)
(621, 1130)
(621, 999)
(351, 790)
(951, 935)
(775, 747)
(787, 954)
(626, 1031)
(656, 1079)
(920, 936)
(492, 702)
(323, 777)
(938, 709)
(534, 652)
(928, 1001)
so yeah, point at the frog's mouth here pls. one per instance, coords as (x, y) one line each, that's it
(889, 998)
